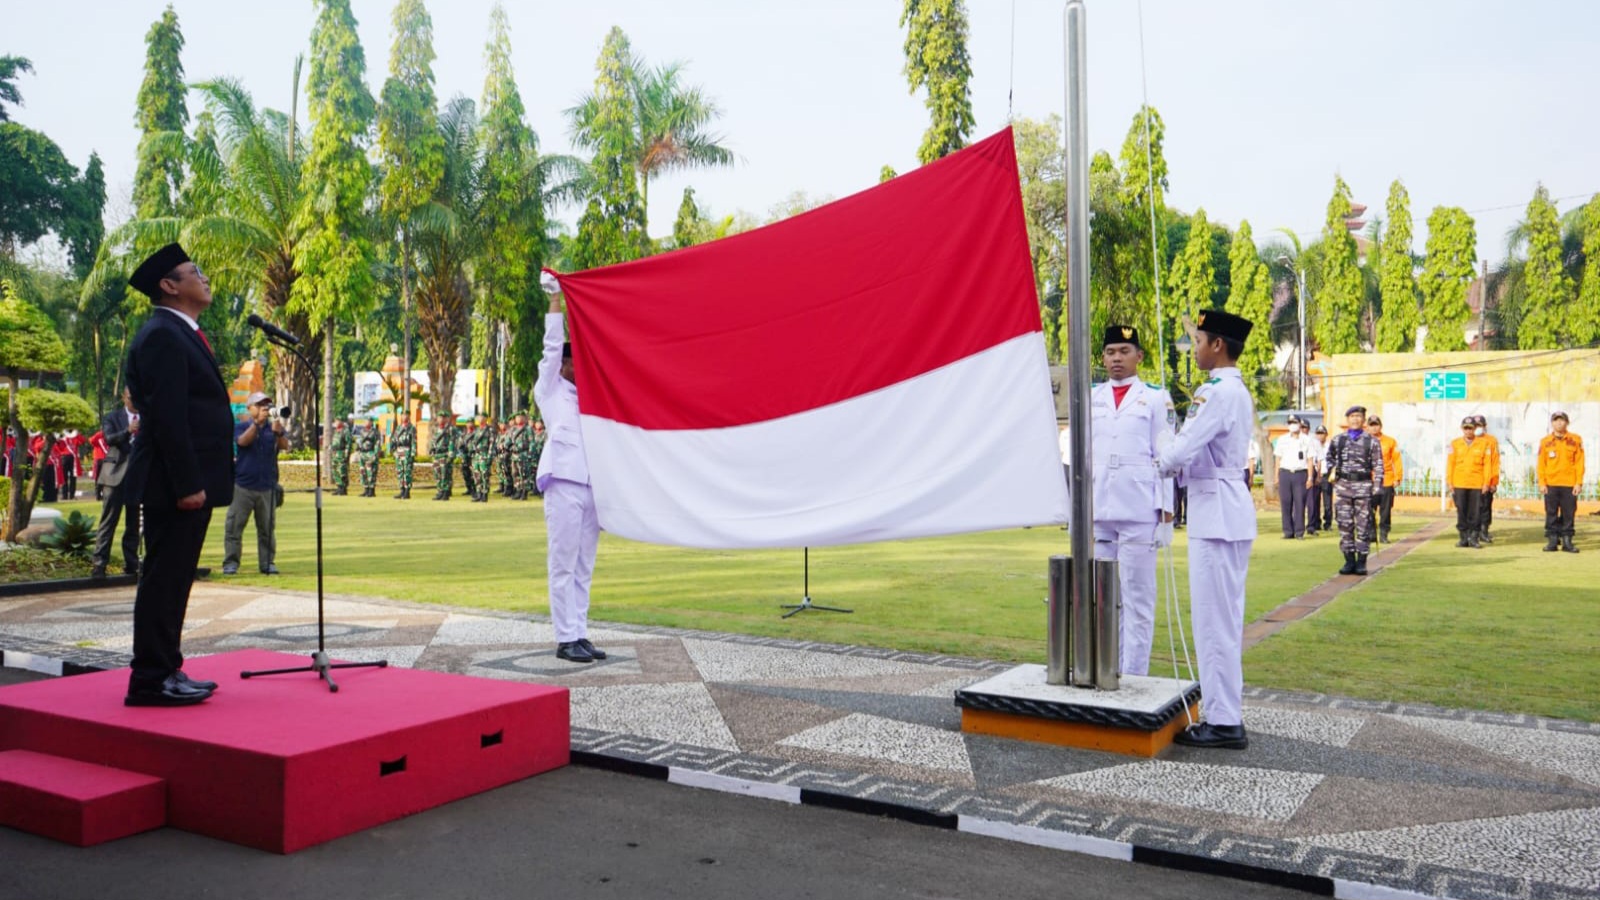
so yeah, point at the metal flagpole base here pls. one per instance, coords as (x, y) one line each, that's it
(805, 604)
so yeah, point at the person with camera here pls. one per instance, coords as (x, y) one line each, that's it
(258, 440)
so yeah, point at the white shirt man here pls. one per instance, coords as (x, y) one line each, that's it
(571, 523)
(1132, 422)
(1209, 452)
(1294, 453)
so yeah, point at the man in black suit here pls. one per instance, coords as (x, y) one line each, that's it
(182, 468)
(119, 428)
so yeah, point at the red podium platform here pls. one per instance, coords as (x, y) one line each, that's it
(281, 764)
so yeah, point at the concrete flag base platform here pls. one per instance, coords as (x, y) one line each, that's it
(1139, 719)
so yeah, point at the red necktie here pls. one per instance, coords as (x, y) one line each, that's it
(204, 341)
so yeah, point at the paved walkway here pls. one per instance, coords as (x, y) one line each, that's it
(1334, 795)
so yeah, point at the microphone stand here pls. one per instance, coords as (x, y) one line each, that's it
(805, 595)
(320, 663)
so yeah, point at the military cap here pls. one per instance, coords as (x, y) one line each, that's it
(1356, 409)
(1480, 421)
(1121, 334)
(1374, 420)
(1224, 324)
(1469, 422)
(147, 278)
(1322, 429)
(1558, 414)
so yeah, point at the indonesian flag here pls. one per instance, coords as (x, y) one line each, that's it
(870, 370)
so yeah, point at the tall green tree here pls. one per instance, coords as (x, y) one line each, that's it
(411, 150)
(450, 236)
(1250, 296)
(1397, 282)
(688, 229)
(10, 68)
(937, 60)
(1547, 303)
(1337, 320)
(612, 227)
(335, 254)
(1586, 311)
(1448, 269)
(162, 108)
(1139, 236)
(28, 340)
(36, 185)
(1193, 275)
(1041, 165)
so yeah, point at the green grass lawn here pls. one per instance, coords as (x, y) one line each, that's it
(1506, 628)
(971, 595)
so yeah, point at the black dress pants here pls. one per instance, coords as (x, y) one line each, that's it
(1292, 494)
(1466, 500)
(1560, 510)
(173, 539)
(1383, 508)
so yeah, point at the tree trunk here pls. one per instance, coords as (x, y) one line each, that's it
(19, 452)
(405, 311)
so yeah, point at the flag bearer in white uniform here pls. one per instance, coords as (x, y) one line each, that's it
(1210, 451)
(1132, 422)
(571, 523)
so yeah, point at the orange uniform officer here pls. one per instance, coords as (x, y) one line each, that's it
(1560, 475)
(1383, 498)
(1470, 468)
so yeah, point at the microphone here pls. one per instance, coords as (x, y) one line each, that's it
(271, 330)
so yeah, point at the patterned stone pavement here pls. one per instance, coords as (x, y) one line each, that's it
(1365, 799)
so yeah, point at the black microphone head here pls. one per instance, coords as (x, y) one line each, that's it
(255, 320)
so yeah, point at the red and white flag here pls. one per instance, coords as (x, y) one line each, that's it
(870, 370)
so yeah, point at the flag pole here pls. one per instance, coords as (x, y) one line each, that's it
(1070, 621)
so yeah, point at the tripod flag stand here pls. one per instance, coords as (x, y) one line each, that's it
(320, 663)
(805, 595)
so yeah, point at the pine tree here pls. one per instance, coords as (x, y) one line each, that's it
(1547, 306)
(937, 59)
(612, 228)
(1192, 276)
(335, 255)
(1397, 283)
(1250, 296)
(1337, 322)
(161, 109)
(1448, 269)
(690, 224)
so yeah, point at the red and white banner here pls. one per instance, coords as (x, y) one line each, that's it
(870, 370)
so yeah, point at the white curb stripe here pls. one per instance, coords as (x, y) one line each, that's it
(33, 662)
(1361, 890)
(1041, 837)
(787, 793)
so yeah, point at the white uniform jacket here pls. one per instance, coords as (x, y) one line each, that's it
(1126, 439)
(563, 455)
(1211, 452)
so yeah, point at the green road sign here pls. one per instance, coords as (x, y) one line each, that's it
(1444, 386)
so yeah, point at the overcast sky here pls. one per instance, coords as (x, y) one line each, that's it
(1470, 103)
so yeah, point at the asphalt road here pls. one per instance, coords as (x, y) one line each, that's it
(583, 832)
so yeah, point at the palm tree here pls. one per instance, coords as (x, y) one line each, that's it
(670, 125)
(448, 237)
(237, 216)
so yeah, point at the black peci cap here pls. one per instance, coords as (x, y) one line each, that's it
(566, 350)
(1224, 324)
(147, 278)
(1121, 334)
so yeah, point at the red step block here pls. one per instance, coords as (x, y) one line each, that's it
(76, 802)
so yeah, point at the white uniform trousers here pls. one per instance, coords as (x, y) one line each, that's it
(1217, 571)
(1133, 546)
(574, 534)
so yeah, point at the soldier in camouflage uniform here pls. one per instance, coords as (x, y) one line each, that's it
(537, 439)
(483, 461)
(521, 454)
(369, 446)
(339, 444)
(1355, 467)
(442, 447)
(467, 447)
(403, 447)
(502, 448)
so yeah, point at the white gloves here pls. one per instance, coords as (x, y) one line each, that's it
(549, 282)
(1164, 534)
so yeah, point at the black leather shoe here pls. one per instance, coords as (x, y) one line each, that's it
(1552, 545)
(183, 677)
(1485, 536)
(1463, 542)
(171, 692)
(594, 651)
(572, 651)
(1222, 737)
(99, 571)
(1567, 545)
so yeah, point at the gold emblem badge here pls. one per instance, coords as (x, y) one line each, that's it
(1127, 333)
